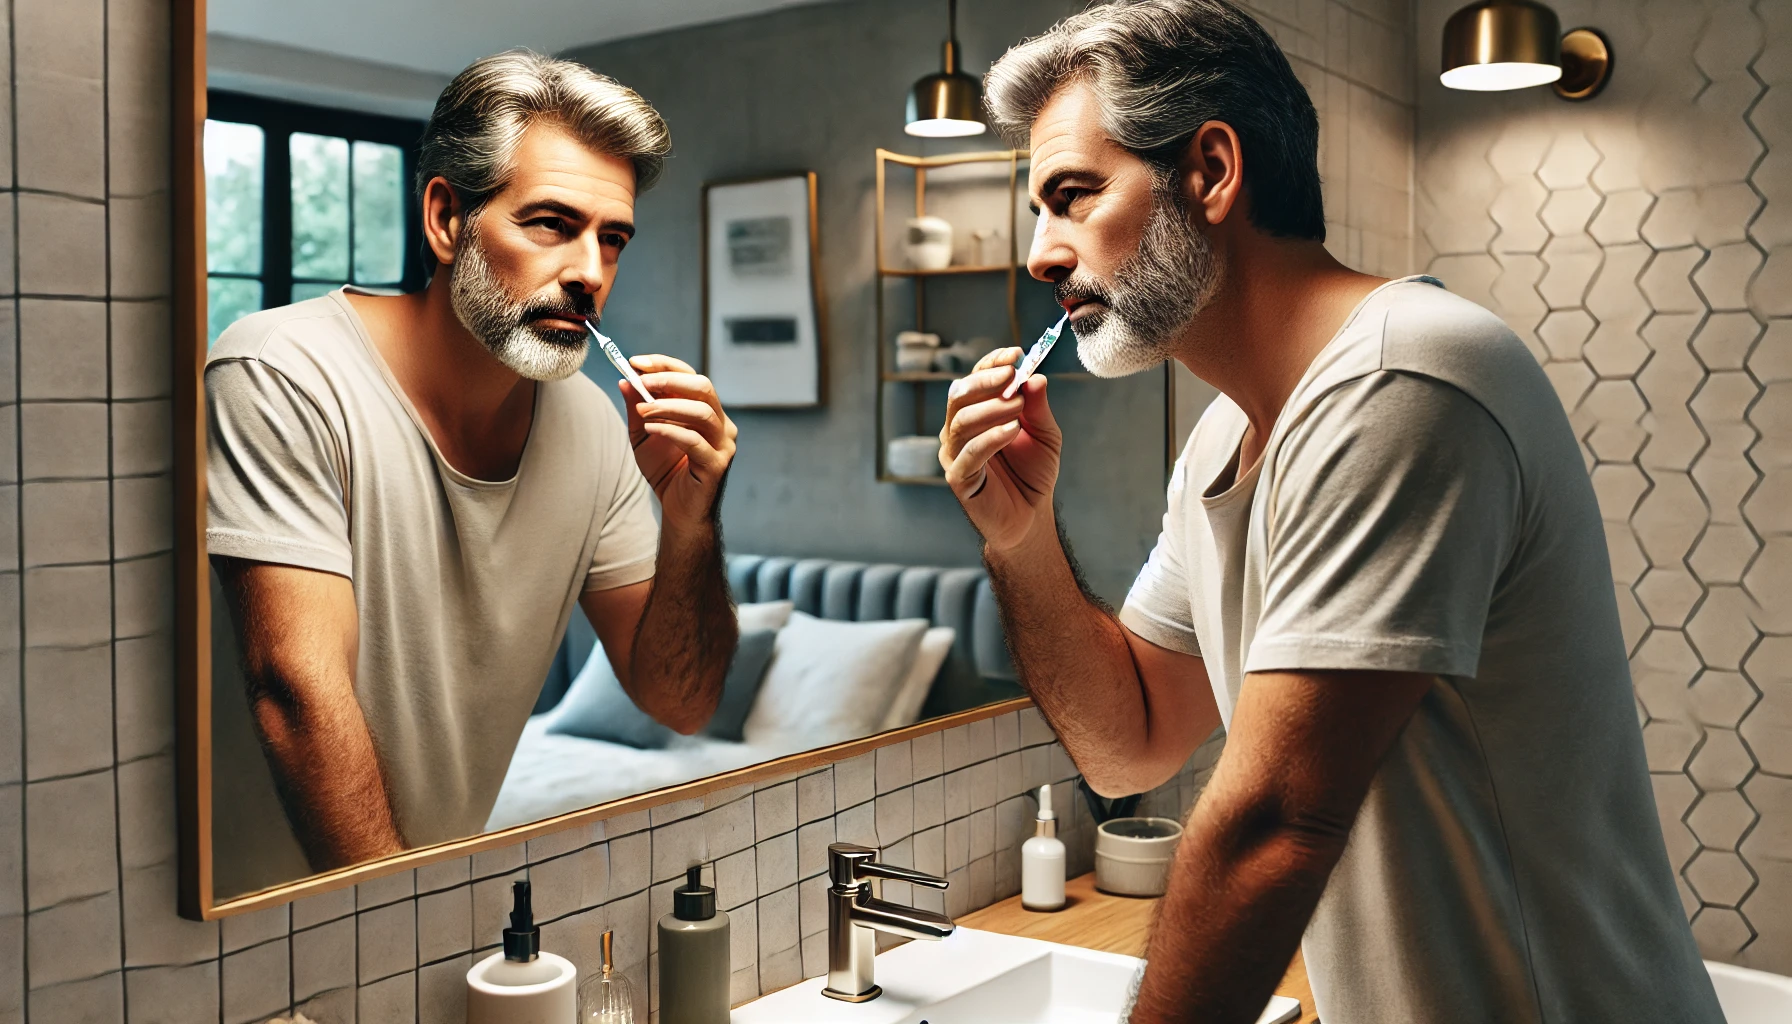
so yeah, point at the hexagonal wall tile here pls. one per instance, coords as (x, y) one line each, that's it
(1515, 209)
(1669, 596)
(1628, 561)
(1768, 730)
(1771, 797)
(1675, 439)
(1772, 416)
(1621, 216)
(1673, 221)
(1572, 260)
(1771, 293)
(1470, 275)
(1565, 331)
(1723, 553)
(1724, 397)
(1720, 877)
(1719, 819)
(1722, 698)
(1617, 442)
(1662, 671)
(1519, 150)
(1725, 153)
(1615, 350)
(1614, 294)
(1724, 339)
(1771, 359)
(1724, 277)
(1669, 518)
(1618, 486)
(1721, 762)
(1614, 401)
(1772, 227)
(1571, 381)
(1632, 621)
(1721, 630)
(1769, 579)
(1567, 212)
(1729, 42)
(1725, 481)
(1569, 161)
(1721, 932)
(1667, 281)
(1724, 213)
(1669, 745)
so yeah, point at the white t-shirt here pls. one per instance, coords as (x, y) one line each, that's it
(463, 587)
(1422, 506)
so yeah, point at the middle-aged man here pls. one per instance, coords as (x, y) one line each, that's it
(408, 495)
(1382, 568)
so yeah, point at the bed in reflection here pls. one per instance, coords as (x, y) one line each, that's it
(830, 651)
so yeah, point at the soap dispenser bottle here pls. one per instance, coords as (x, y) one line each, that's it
(521, 984)
(694, 956)
(1042, 860)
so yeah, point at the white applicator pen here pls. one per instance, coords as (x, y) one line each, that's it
(1035, 355)
(618, 360)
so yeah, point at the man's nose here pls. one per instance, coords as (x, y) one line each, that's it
(1049, 258)
(585, 270)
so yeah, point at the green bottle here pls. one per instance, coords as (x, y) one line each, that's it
(694, 960)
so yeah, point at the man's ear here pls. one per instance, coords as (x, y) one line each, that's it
(443, 219)
(1212, 172)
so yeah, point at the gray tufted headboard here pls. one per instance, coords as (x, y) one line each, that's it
(978, 671)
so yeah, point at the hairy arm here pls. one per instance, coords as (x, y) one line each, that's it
(1264, 837)
(299, 638)
(670, 638)
(1128, 712)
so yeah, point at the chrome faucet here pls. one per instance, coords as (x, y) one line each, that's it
(856, 912)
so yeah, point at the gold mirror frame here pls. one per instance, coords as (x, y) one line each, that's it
(192, 640)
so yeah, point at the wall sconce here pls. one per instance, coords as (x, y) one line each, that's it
(1492, 45)
(949, 103)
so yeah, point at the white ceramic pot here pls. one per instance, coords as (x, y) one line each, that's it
(1132, 855)
(914, 351)
(929, 243)
(914, 455)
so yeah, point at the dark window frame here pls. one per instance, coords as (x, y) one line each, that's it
(278, 120)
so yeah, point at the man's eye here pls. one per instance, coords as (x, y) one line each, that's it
(554, 224)
(1067, 196)
(616, 239)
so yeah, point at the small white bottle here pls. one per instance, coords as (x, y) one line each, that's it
(1042, 860)
(521, 984)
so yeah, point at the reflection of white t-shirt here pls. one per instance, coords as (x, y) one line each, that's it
(463, 587)
(1422, 506)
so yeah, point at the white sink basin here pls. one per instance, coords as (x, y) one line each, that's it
(976, 977)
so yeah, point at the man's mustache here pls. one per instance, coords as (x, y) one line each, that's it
(567, 307)
(1082, 290)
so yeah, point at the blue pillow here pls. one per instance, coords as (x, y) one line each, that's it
(597, 708)
(742, 684)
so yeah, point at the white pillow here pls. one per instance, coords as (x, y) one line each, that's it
(830, 681)
(763, 615)
(936, 644)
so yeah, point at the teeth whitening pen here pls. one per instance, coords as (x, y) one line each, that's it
(1035, 355)
(620, 362)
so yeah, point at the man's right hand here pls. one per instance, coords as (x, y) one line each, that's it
(1001, 454)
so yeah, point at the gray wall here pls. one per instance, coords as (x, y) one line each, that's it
(1641, 243)
(819, 88)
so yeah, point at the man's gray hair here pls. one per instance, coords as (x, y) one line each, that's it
(479, 120)
(1161, 69)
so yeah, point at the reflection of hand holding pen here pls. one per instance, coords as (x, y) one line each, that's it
(1035, 355)
(618, 360)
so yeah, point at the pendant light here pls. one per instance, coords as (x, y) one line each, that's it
(1493, 45)
(949, 103)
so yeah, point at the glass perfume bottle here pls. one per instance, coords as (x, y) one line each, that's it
(606, 997)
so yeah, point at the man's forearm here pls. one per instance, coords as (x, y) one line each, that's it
(1071, 654)
(687, 632)
(328, 777)
(1243, 885)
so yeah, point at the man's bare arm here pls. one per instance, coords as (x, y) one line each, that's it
(299, 636)
(670, 638)
(1128, 712)
(1264, 837)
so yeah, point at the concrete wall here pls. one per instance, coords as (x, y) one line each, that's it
(819, 88)
(1642, 245)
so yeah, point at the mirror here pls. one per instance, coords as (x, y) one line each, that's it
(431, 599)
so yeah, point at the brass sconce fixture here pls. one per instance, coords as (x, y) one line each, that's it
(1493, 45)
(949, 103)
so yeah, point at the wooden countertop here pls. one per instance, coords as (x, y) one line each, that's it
(1113, 924)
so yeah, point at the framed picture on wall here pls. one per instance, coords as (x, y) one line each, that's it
(764, 329)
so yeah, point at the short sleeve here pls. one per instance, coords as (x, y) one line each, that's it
(1396, 509)
(628, 537)
(275, 479)
(1158, 606)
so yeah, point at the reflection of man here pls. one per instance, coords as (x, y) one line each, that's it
(1382, 566)
(409, 494)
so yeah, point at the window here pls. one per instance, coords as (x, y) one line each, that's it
(302, 200)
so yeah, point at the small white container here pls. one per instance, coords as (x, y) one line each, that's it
(1132, 855)
(542, 991)
(914, 455)
(914, 351)
(1042, 864)
(929, 243)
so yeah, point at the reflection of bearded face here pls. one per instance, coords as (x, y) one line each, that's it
(1153, 296)
(507, 324)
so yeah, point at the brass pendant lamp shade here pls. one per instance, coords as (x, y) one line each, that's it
(1492, 45)
(949, 103)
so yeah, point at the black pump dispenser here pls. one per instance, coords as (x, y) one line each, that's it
(522, 940)
(694, 901)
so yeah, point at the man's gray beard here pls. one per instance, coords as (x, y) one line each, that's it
(1153, 296)
(487, 311)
